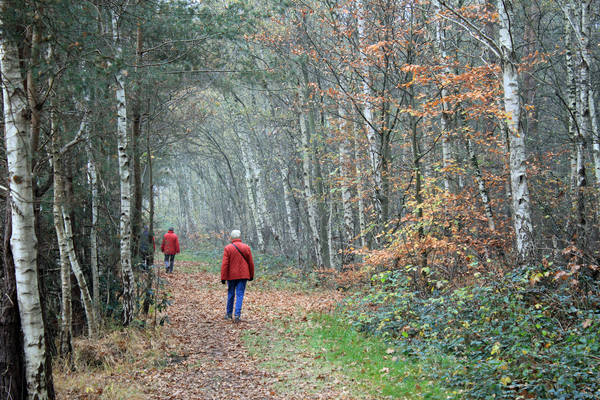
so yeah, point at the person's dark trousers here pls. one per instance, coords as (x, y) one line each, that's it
(169, 260)
(145, 259)
(235, 288)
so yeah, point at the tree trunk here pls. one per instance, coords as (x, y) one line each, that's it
(321, 198)
(517, 160)
(333, 255)
(445, 117)
(136, 210)
(287, 197)
(572, 111)
(93, 179)
(150, 194)
(125, 179)
(360, 193)
(256, 214)
(483, 192)
(66, 322)
(261, 201)
(367, 112)
(11, 350)
(311, 203)
(346, 178)
(83, 286)
(23, 239)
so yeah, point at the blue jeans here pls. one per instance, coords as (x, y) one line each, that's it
(169, 261)
(235, 288)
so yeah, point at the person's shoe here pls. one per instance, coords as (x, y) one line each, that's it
(237, 319)
(227, 316)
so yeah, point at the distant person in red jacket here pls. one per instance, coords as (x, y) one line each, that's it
(170, 246)
(237, 268)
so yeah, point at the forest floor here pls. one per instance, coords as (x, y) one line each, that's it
(203, 356)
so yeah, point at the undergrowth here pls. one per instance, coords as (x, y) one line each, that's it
(92, 371)
(527, 334)
(322, 354)
(379, 366)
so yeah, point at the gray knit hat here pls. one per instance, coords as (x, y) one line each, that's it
(235, 234)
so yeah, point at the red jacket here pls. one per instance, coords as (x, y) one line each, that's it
(170, 243)
(234, 266)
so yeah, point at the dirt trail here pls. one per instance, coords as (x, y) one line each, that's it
(210, 361)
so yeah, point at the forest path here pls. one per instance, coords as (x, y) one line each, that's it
(209, 359)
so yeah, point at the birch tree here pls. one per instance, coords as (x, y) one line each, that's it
(445, 107)
(125, 184)
(345, 179)
(66, 323)
(256, 213)
(582, 110)
(11, 359)
(311, 202)
(23, 239)
(367, 110)
(93, 181)
(287, 197)
(504, 49)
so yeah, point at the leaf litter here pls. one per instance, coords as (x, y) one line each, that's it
(206, 356)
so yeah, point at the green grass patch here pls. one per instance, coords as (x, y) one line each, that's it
(375, 363)
(324, 354)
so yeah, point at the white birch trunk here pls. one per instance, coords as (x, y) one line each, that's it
(258, 220)
(517, 160)
(287, 198)
(584, 115)
(348, 222)
(596, 140)
(311, 203)
(375, 147)
(483, 193)
(66, 323)
(64, 229)
(360, 192)
(93, 179)
(577, 15)
(85, 293)
(125, 184)
(23, 240)
(260, 194)
(445, 118)
(573, 112)
(333, 254)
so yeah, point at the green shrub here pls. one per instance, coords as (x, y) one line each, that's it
(524, 334)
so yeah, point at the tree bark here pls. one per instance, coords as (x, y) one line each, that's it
(125, 183)
(11, 350)
(311, 203)
(517, 160)
(483, 192)
(23, 239)
(445, 111)
(136, 210)
(345, 172)
(259, 221)
(287, 198)
(66, 322)
(360, 192)
(93, 180)
(150, 194)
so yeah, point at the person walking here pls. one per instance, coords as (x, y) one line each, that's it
(145, 240)
(170, 246)
(237, 268)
